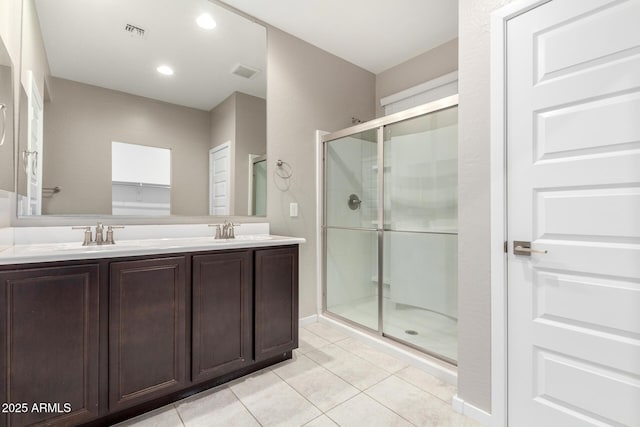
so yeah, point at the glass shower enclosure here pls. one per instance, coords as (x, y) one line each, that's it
(390, 227)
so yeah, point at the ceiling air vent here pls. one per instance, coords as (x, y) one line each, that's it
(244, 71)
(134, 31)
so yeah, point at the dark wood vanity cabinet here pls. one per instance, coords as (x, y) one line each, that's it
(222, 321)
(49, 342)
(147, 330)
(99, 341)
(276, 301)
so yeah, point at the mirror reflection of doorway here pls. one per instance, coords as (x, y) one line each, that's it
(258, 191)
(219, 161)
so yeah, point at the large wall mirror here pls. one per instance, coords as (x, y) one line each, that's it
(145, 107)
(6, 119)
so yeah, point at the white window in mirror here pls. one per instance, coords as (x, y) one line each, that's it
(140, 180)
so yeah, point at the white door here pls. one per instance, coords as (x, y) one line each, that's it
(573, 129)
(219, 179)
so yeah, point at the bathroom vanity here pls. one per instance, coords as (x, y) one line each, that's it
(96, 335)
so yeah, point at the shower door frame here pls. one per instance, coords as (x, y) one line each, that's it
(379, 124)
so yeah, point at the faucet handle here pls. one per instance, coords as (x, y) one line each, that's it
(232, 226)
(109, 239)
(218, 230)
(88, 236)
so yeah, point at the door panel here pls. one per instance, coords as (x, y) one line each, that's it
(49, 344)
(573, 100)
(147, 332)
(222, 300)
(276, 301)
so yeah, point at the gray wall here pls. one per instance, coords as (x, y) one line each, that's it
(433, 63)
(308, 89)
(474, 287)
(251, 138)
(240, 119)
(223, 129)
(80, 123)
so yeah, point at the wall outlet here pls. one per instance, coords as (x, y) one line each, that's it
(293, 210)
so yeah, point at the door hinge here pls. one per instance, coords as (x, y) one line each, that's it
(505, 247)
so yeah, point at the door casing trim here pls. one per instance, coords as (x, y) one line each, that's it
(498, 204)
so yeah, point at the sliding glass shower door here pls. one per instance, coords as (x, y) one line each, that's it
(351, 237)
(420, 232)
(390, 227)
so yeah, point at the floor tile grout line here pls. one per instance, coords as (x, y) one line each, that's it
(331, 373)
(175, 408)
(365, 344)
(375, 400)
(245, 406)
(301, 395)
(426, 391)
(310, 421)
(391, 409)
(351, 398)
(370, 361)
(324, 338)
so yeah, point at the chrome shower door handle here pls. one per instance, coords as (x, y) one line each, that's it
(521, 247)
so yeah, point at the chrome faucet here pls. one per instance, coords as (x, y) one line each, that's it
(225, 230)
(100, 239)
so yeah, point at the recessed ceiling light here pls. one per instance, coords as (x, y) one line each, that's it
(165, 69)
(206, 21)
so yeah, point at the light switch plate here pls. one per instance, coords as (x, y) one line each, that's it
(293, 210)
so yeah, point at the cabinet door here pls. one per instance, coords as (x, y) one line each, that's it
(276, 301)
(49, 344)
(147, 335)
(222, 300)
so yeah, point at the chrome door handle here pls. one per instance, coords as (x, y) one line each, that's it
(524, 248)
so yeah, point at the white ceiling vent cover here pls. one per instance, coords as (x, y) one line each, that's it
(244, 71)
(134, 31)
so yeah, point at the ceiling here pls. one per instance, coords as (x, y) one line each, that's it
(86, 41)
(373, 34)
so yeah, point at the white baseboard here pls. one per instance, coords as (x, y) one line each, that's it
(462, 407)
(304, 321)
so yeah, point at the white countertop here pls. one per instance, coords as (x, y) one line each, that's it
(46, 252)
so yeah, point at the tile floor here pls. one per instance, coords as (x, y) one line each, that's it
(332, 380)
